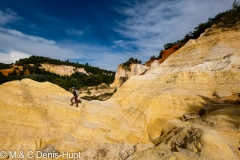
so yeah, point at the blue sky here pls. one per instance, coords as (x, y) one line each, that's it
(103, 33)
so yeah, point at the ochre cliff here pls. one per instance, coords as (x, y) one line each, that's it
(122, 75)
(143, 118)
(205, 73)
(62, 70)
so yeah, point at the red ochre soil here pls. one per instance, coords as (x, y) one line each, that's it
(165, 54)
(6, 72)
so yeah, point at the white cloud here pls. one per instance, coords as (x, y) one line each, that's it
(74, 32)
(15, 55)
(8, 16)
(121, 44)
(151, 24)
(12, 56)
(102, 56)
(5, 58)
(21, 35)
(110, 61)
(13, 40)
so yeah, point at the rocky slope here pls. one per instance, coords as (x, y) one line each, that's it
(183, 109)
(211, 79)
(38, 116)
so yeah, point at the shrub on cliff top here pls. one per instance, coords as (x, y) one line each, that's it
(126, 65)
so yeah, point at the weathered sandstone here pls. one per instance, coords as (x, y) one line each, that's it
(142, 119)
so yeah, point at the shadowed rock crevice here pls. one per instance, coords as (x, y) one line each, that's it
(218, 112)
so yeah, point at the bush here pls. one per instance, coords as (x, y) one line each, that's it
(88, 92)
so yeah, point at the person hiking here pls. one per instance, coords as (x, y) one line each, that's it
(75, 96)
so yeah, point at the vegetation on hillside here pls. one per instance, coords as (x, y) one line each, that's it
(32, 66)
(101, 97)
(5, 66)
(126, 65)
(37, 60)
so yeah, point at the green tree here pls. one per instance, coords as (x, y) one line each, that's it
(73, 82)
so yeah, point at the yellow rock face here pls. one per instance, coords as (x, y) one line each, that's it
(136, 69)
(202, 75)
(62, 69)
(37, 115)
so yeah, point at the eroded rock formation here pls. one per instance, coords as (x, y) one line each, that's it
(122, 75)
(143, 118)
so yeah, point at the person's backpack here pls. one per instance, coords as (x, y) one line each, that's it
(75, 93)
